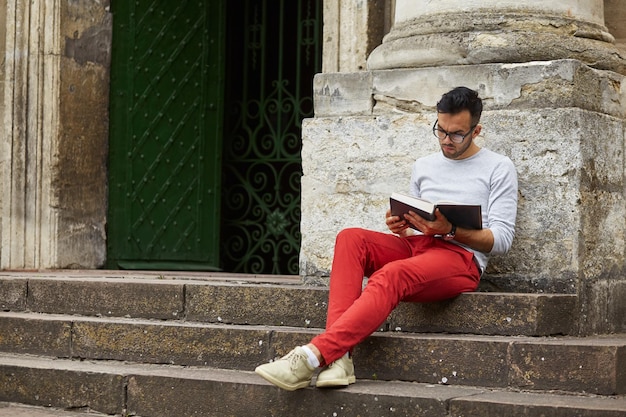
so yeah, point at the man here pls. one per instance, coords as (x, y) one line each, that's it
(441, 262)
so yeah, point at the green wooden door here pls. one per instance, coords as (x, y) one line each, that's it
(166, 129)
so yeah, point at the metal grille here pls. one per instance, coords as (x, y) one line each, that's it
(269, 86)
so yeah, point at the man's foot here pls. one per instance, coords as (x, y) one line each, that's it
(291, 372)
(338, 374)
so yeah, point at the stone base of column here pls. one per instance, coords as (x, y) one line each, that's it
(476, 38)
(561, 122)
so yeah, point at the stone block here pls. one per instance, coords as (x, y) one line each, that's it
(13, 294)
(144, 342)
(578, 365)
(490, 313)
(497, 404)
(235, 395)
(35, 334)
(531, 85)
(477, 361)
(342, 93)
(38, 382)
(269, 305)
(156, 299)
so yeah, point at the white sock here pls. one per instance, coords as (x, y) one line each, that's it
(313, 361)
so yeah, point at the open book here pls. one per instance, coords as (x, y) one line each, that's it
(467, 216)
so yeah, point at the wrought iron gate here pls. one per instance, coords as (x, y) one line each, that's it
(275, 48)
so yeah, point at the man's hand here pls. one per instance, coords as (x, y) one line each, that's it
(397, 225)
(439, 226)
(481, 240)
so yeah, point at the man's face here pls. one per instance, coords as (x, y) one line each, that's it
(460, 123)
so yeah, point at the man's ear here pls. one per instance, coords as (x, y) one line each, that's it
(477, 131)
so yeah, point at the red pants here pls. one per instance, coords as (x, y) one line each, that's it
(416, 269)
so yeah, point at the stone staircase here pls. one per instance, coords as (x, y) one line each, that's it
(163, 345)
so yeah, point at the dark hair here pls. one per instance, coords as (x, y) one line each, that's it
(459, 99)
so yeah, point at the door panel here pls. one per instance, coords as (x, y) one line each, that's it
(166, 133)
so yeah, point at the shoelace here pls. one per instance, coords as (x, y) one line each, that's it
(293, 359)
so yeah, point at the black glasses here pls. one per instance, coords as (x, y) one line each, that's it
(454, 137)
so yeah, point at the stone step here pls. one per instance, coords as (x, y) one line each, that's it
(118, 388)
(274, 304)
(21, 410)
(591, 364)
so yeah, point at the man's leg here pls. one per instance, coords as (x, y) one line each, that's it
(359, 253)
(436, 270)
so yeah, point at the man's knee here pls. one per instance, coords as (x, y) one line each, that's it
(350, 234)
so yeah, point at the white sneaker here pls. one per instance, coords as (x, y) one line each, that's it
(338, 374)
(291, 372)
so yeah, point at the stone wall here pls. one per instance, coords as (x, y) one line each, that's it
(562, 124)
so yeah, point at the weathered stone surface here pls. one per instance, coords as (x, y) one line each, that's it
(30, 333)
(13, 294)
(433, 359)
(461, 33)
(217, 346)
(19, 410)
(286, 305)
(615, 20)
(616, 304)
(587, 365)
(80, 183)
(244, 304)
(351, 30)
(489, 313)
(340, 94)
(510, 404)
(168, 396)
(533, 85)
(156, 299)
(165, 391)
(550, 134)
(56, 122)
(68, 385)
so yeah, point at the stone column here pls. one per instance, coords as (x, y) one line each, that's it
(462, 32)
(615, 18)
(53, 145)
(352, 29)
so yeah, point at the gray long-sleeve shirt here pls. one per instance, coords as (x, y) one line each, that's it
(486, 178)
